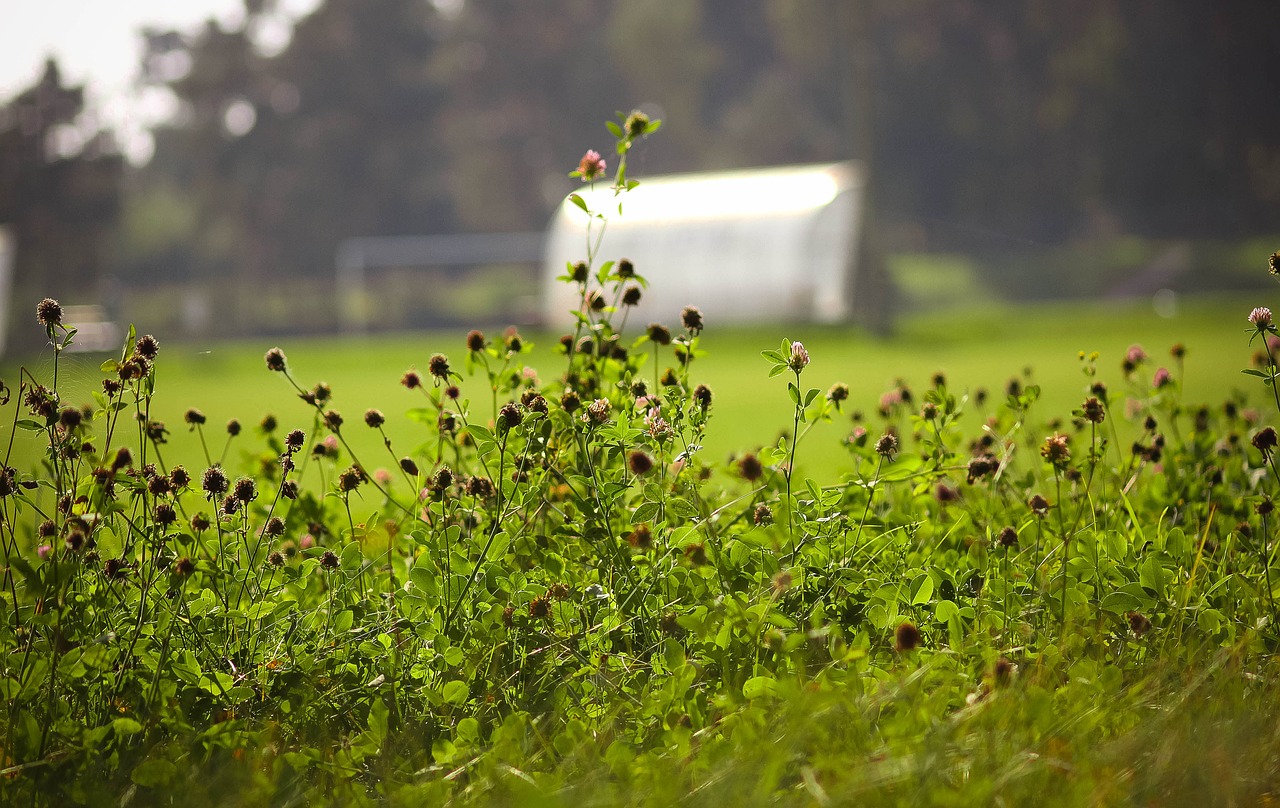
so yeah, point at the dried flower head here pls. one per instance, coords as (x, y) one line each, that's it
(275, 360)
(159, 486)
(411, 379)
(1038, 505)
(374, 419)
(509, 417)
(631, 295)
(480, 487)
(49, 313)
(193, 417)
(838, 393)
(274, 527)
(887, 445)
(329, 560)
(691, 316)
(1056, 450)
(1008, 538)
(636, 124)
(598, 411)
(750, 467)
(1273, 264)
(245, 490)
(442, 479)
(475, 341)
(215, 482)
(148, 347)
(624, 268)
(702, 395)
(981, 466)
(696, 554)
(350, 479)
(945, 494)
(408, 466)
(1093, 410)
(762, 515)
(165, 515)
(1139, 623)
(579, 272)
(1265, 440)
(641, 538)
(295, 440)
(906, 637)
(639, 463)
(659, 334)
(438, 366)
(782, 582)
(333, 420)
(1002, 672)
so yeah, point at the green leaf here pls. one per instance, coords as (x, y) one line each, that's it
(480, 433)
(682, 508)
(647, 512)
(580, 202)
(1119, 603)
(673, 654)
(921, 589)
(152, 773)
(760, 687)
(443, 751)
(613, 128)
(455, 693)
(945, 610)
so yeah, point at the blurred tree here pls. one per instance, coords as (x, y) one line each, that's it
(60, 182)
(283, 157)
(986, 126)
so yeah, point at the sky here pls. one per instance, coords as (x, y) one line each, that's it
(97, 44)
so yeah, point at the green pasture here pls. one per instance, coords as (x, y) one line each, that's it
(978, 348)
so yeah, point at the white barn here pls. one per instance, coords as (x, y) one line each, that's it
(772, 244)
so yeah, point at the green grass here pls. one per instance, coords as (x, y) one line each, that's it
(593, 630)
(981, 348)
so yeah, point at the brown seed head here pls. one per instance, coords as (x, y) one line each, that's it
(906, 637)
(49, 313)
(148, 347)
(275, 360)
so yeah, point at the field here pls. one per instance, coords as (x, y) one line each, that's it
(975, 349)
(533, 590)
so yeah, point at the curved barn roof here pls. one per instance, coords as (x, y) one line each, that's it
(751, 245)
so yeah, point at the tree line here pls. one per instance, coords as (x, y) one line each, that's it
(985, 123)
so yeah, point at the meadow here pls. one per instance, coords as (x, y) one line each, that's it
(978, 349)
(683, 565)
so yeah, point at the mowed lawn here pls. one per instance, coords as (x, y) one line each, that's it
(974, 349)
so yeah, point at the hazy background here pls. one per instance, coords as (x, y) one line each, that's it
(200, 177)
